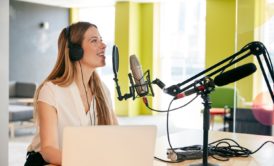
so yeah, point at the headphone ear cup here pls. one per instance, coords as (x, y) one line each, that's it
(75, 52)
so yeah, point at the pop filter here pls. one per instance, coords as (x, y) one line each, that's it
(115, 59)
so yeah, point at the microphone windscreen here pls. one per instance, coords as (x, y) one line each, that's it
(115, 59)
(235, 74)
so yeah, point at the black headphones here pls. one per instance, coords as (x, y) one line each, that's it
(75, 50)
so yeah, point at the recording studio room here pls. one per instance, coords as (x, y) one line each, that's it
(195, 78)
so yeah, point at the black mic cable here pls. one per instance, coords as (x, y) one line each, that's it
(221, 150)
(167, 128)
(169, 110)
(226, 150)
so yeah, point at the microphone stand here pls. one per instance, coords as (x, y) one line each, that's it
(207, 106)
(253, 48)
(209, 87)
(206, 116)
(133, 87)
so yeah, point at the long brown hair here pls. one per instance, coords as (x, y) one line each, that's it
(64, 71)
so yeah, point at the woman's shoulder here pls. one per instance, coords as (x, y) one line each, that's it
(49, 83)
(47, 86)
(50, 92)
(52, 85)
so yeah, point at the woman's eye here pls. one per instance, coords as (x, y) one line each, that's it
(94, 41)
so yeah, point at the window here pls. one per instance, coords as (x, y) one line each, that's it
(266, 33)
(182, 47)
(182, 33)
(103, 17)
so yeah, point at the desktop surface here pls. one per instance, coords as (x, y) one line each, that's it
(187, 137)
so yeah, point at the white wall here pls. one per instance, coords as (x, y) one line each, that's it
(4, 75)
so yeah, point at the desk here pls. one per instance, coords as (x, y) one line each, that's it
(264, 157)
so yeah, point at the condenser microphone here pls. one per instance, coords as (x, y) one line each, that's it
(235, 74)
(136, 69)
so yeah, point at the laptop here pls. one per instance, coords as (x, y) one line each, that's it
(109, 146)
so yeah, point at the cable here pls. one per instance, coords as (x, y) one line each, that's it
(167, 128)
(167, 125)
(173, 109)
(166, 161)
(262, 146)
(86, 93)
(224, 149)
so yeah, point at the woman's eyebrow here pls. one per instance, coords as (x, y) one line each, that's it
(94, 37)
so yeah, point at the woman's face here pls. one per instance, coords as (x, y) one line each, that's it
(94, 49)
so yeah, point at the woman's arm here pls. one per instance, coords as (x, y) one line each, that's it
(49, 133)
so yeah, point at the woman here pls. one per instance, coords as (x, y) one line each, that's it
(72, 94)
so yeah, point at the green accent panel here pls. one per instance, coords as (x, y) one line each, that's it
(122, 14)
(220, 30)
(134, 48)
(147, 44)
(73, 15)
(219, 100)
(246, 27)
(220, 35)
(133, 35)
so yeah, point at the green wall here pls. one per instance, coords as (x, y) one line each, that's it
(230, 25)
(134, 34)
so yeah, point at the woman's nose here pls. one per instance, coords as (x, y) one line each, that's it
(103, 45)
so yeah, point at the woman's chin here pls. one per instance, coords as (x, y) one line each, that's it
(101, 64)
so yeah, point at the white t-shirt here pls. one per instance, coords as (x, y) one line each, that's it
(69, 108)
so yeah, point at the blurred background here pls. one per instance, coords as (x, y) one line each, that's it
(174, 40)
